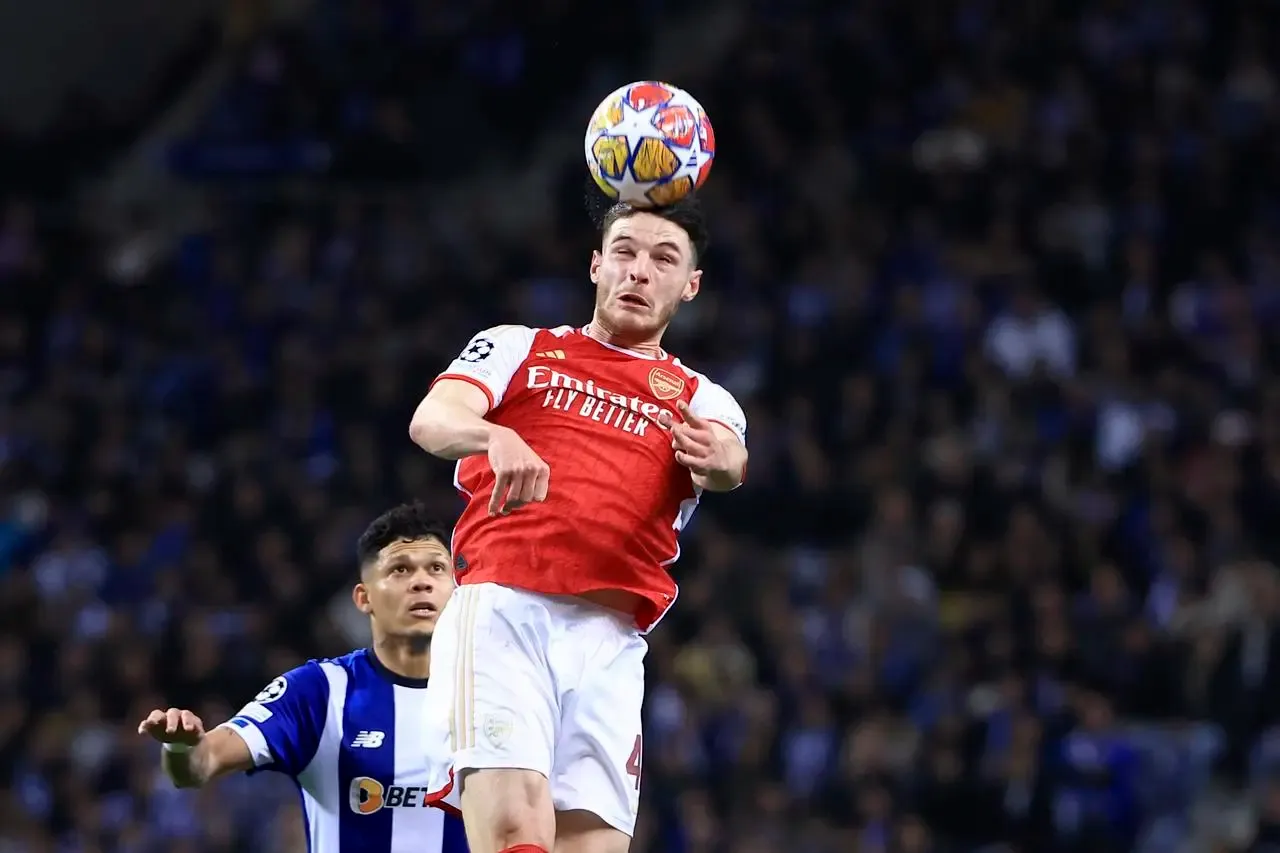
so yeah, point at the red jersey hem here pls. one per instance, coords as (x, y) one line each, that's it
(470, 381)
(654, 608)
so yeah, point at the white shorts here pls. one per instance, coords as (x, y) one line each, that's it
(545, 683)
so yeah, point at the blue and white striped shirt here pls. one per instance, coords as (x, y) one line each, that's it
(346, 730)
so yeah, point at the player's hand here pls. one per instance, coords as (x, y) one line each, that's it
(173, 726)
(696, 444)
(520, 475)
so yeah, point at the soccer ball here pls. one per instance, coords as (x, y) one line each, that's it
(649, 144)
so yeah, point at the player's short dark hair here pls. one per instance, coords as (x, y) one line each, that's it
(406, 522)
(686, 213)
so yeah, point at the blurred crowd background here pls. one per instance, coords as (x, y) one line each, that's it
(998, 284)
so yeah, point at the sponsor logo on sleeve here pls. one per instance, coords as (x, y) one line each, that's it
(255, 711)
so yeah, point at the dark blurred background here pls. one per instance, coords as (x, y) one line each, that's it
(998, 283)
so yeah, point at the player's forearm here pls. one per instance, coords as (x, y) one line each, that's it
(192, 769)
(729, 479)
(450, 431)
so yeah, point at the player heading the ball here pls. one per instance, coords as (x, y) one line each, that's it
(583, 452)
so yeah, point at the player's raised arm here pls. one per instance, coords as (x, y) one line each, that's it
(279, 730)
(711, 439)
(449, 422)
(192, 758)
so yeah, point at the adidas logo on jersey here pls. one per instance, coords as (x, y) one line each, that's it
(368, 740)
(553, 353)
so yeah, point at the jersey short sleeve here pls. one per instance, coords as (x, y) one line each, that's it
(713, 403)
(283, 724)
(491, 358)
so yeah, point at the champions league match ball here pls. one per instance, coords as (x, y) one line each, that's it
(649, 144)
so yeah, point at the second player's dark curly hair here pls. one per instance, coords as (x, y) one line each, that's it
(404, 522)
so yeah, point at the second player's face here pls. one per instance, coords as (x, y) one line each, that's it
(409, 585)
(643, 272)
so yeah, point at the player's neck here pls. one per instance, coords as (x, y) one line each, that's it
(405, 656)
(649, 346)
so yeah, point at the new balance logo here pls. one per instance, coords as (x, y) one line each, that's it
(554, 353)
(368, 740)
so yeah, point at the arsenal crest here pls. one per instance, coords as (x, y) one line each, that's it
(664, 384)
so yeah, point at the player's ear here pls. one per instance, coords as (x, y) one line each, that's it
(596, 260)
(360, 596)
(692, 287)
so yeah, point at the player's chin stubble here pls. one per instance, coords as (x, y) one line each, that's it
(418, 641)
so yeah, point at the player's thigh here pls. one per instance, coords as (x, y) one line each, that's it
(581, 831)
(505, 708)
(502, 808)
(600, 751)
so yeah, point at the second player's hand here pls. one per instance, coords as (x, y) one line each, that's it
(520, 475)
(173, 726)
(696, 444)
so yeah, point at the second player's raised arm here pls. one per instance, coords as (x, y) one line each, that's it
(218, 753)
(192, 758)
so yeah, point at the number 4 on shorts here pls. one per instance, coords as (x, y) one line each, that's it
(633, 763)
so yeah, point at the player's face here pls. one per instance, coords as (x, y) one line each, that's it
(643, 272)
(407, 586)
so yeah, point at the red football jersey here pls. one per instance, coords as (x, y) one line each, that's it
(617, 498)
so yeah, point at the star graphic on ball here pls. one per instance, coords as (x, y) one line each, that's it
(636, 126)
